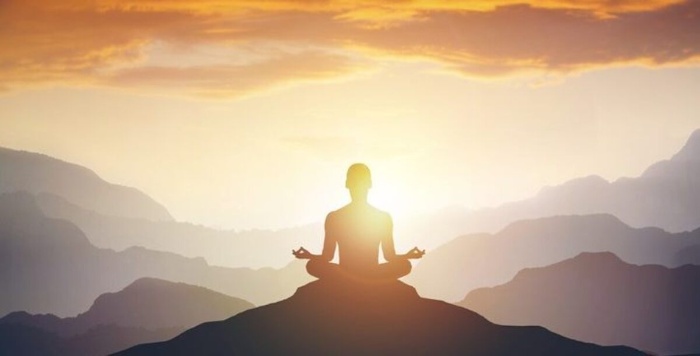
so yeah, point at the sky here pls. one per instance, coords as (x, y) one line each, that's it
(246, 114)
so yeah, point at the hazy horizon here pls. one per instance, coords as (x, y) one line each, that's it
(247, 116)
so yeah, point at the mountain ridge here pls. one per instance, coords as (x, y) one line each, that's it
(666, 199)
(48, 265)
(482, 260)
(36, 173)
(665, 195)
(219, 247)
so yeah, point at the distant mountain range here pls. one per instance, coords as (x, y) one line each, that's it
(37, 173)
(666, 195)
(148, 310)
(326, 318)
(118, 217)
(596, 297)
(483, 260)
(48, 265)
(252, 248)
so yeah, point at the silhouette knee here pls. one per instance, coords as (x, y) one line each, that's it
(404, 267)
(313, 268)
(397, 268)
(319, 268)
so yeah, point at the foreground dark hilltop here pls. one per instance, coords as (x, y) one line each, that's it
(330, 318)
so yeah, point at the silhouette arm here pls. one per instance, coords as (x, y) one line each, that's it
(388, 241)
(388, 246)
(329, 241)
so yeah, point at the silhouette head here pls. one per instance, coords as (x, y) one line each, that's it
(358, 181)
(358, 177)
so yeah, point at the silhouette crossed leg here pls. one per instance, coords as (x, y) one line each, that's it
(385, 271)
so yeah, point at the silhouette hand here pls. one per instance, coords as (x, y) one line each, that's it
(415, 253)
(302, 254)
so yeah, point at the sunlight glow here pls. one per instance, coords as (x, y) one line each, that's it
(391, 198)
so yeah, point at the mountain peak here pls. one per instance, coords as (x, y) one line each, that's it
(599, 261)
(153, 303)
(691, 149)
(36, 173)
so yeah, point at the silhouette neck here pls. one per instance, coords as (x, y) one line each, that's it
(359, 196)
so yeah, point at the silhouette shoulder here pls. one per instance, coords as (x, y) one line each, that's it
(383, 214)
(339, 212)
(382, 217)
(333, 215)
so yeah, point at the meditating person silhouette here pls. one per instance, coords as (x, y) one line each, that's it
(358, 229)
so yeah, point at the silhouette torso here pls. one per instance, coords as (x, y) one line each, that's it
(359, 230)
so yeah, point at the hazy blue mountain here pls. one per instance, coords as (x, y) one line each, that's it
(252, 248)
(327, 318)
(483, 260)
(36, 173)
(596, 297)
(666, 195)
(48, 266)
(148, 310)
(147, 303)
(118, 217)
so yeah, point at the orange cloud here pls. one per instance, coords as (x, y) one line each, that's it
(373, 9)
(516, 38)
(107, 42)
(236, 80)
(46, 44)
